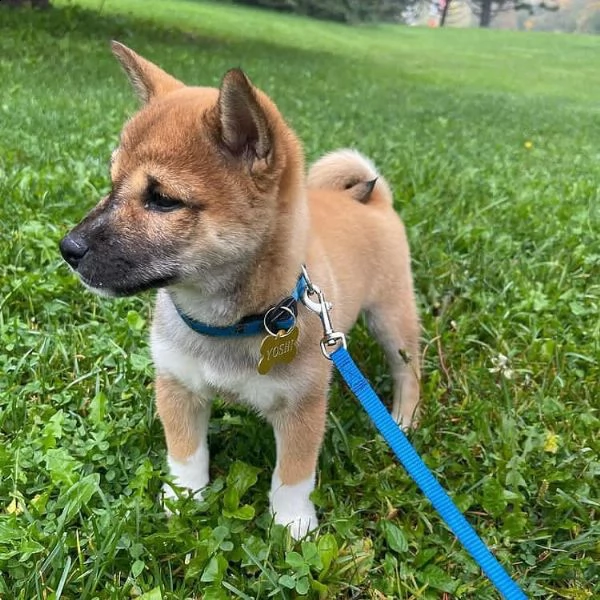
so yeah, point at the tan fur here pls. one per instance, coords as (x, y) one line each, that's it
(344, 170)
(234, 247)
(180, 412)
(301, 435)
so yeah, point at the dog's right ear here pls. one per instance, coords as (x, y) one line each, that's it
(148, 80)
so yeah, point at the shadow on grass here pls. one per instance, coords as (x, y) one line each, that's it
(84, 25)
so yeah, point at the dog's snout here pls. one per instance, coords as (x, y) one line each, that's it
(73, 248)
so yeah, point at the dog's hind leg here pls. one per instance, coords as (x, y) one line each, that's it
(185, 421)
(393, 321)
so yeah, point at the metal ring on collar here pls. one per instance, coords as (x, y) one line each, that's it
(284, 308)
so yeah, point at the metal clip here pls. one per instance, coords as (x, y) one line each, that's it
(321, 307)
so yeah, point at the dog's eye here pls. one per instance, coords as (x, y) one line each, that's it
(161, 203)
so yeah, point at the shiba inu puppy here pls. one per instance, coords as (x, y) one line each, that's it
(210, 203)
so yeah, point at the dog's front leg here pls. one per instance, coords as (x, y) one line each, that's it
(298, 437)
(185, 420)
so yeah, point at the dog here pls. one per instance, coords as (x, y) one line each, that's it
(211, 205)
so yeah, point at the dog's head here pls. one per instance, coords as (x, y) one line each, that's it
(198, 179)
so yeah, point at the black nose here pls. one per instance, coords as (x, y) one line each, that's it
(73, 248)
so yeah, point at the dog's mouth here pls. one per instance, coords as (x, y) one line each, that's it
(125, 288)
(96, 288)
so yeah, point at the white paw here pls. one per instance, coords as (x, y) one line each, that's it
(191, 475)
(168, 496)
(298, 524)
(169, 493)
(291, 506)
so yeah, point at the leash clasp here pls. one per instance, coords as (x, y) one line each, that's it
(321, 307)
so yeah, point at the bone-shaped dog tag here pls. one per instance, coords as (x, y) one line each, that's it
(275, 349)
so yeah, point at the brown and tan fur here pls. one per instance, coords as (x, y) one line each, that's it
(244, 219)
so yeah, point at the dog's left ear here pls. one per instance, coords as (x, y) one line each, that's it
(244, 123)
(148, 80)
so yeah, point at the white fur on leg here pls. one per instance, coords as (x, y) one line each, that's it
(191, 473)
(291, 505)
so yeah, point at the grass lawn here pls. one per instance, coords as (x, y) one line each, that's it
(491, 141)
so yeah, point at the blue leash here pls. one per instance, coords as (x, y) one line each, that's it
(333, 347)
(423, 477)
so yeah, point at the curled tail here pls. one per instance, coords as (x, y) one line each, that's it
(347, 169)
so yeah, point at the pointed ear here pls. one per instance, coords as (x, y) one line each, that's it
(148, 80)
(244, 123)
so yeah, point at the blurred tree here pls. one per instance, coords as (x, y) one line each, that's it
(422, 12)
(348, 11)
(33, 3)
(456, 13)
(486, 10)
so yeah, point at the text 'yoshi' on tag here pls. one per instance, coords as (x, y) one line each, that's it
(276, 349)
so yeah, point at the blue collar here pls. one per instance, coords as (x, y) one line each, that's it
(277, 317)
